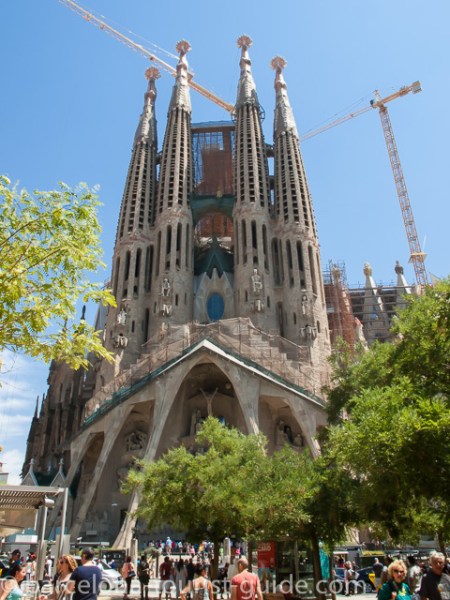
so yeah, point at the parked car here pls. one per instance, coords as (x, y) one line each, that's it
(111, 579)
(367, 576)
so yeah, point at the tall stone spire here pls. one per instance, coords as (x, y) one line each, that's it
(297, 265)
(254, 296)
(136, 212)
(375, 317)
(403, 289)
(180, 93)
(126, 330)
(292, 197)
(246, 86)
(171, 297)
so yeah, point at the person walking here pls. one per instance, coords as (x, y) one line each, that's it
(165, 571)
(435, 584)
(395, 587)
(180, 576)
(128, 572)
(245, 585)
(201, 587)
(143, 572)
(84, 582)
(377, 570)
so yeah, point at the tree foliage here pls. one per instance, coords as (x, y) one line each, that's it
(234, 488)
(49, 242)
(396, 442)
(208, 495)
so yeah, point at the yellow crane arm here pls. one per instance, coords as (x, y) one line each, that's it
(377, 103)
(91, 18)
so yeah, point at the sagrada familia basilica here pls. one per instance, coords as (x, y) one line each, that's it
(223, 307)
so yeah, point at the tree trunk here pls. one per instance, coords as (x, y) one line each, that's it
(215, 560)
(332, 568)
(441, 542)
(319, 589)
(250, 556)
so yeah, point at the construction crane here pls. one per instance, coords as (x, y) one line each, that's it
(91, 18)
(417, 257)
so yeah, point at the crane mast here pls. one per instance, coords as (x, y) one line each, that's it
(91, 18)
(417, 257)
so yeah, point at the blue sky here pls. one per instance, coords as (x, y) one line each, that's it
(71, 97)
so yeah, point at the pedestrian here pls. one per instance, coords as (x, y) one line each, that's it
(435, 584)
(385, 572)
(65, 567)
(143, 572)
(395, 587)
(414, 575)
(190, 568)
(245, 585)
(10, 589)
(349, 577)
(377, 569)
(165, 571)
(201, 588)
(128, 572)
(15, 559)
(84, 582)
(180, 576)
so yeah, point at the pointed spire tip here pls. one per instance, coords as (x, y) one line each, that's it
(183, 47)
(152, 73)
(244, 41)
(278, 63)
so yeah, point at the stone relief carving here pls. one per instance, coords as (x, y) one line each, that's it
(257, 282)
(284, 435)
(121, 317)
(135, 441)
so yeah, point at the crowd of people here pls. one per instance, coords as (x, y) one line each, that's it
(182, 577)
(398, 579)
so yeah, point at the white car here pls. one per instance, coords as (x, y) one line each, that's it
(111, 579)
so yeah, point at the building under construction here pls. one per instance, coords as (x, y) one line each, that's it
(222, 308)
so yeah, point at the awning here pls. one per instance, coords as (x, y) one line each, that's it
(26, 497)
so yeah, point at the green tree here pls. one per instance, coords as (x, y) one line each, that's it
(307, 499)
(234, 488)
(396, 443)
(208, 494)
(49, 242)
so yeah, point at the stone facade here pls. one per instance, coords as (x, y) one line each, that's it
(221, 307)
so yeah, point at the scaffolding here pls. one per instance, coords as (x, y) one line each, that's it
(341, 320)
